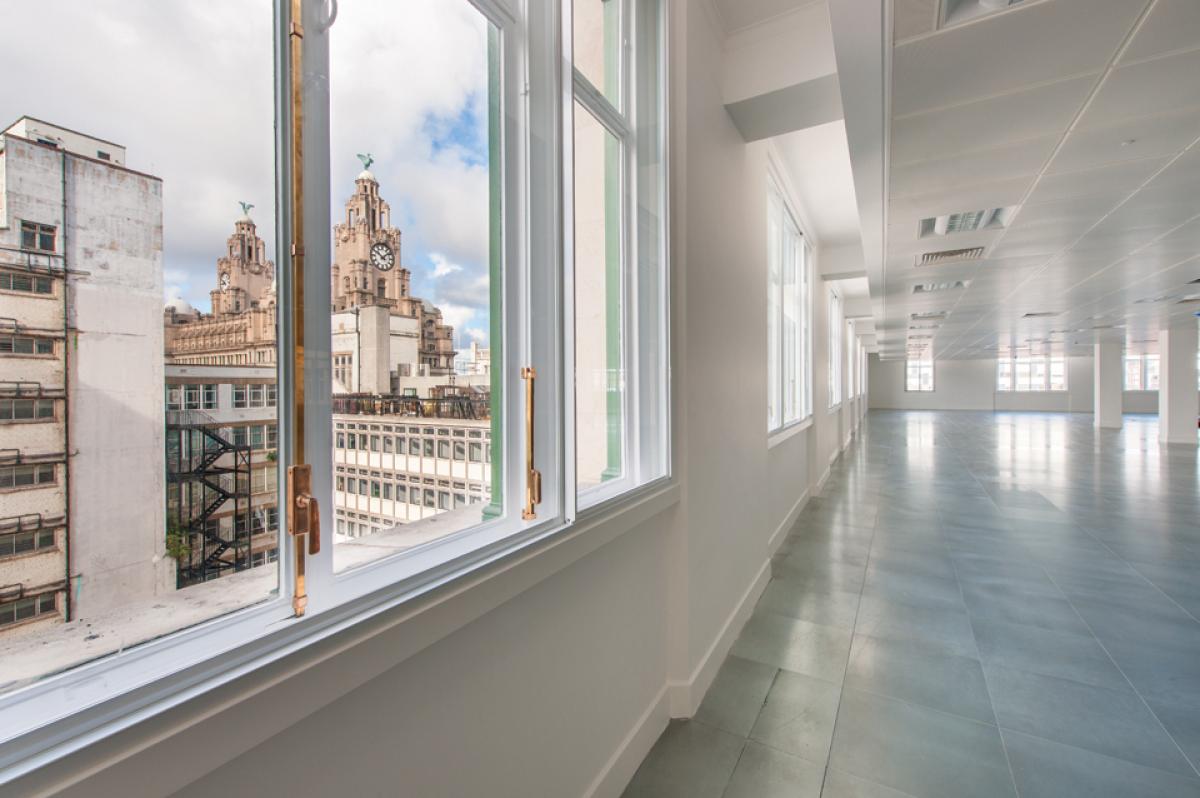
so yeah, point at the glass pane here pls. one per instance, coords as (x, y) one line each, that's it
(774, 301)
(597, 44)
(791, 319)
(599, 309)
(1133, 374)
(1151, 372)
(415, 273)
(163, 114)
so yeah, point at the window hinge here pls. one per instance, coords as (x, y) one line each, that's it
(533, 477)
(304, 525)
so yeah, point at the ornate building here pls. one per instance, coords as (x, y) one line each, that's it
(367, 273)
(241, 329)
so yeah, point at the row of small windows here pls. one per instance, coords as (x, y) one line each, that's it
(26, 283)
(256, 436)
(426, 497)
(474, 452)
(25, 345)
(14, 543)
(24, 476)
(27, 409)
(27, 607)
(1036, 373)
(204, 396)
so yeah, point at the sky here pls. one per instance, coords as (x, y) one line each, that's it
(186, 87)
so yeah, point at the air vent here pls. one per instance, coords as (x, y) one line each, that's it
(929, 288)
(923, 326)
(965, 222)
(950, 256)
(1150, 300)
(1189, 299)
(962, 10)
(932, 315)
(1042, 314)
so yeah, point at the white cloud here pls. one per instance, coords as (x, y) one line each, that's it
(442, 266)
(475, 334)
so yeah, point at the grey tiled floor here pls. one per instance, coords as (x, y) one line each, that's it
(978, 605)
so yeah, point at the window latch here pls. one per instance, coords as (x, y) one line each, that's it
(304, 525)
(533, 477)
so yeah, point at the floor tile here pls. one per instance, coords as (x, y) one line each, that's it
(736, 695)
(795, 645)
(1048, 652)
(799, 599)
(767, 773)
(918, 750)
(1112, 722)
(843, 785)
(798, 716)
(1045, 769)
(913, 671)
(690, 760)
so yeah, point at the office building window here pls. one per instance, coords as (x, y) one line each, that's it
(39, 237)
(918, 374)
(1031, 373)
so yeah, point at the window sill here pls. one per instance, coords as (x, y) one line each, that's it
(250, 666)
(787, 431)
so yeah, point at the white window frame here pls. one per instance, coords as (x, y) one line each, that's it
(637, 120)
(923, 365)
(1143, 361)
(63, 713)
(1014, 362)
(785, 238)
(837, 327)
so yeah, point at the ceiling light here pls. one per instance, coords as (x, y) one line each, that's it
(963, 10)
(950, 256)
(966, 222)
(928, 288)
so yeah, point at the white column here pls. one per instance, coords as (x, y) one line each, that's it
(1177, 398)
(1108, 383)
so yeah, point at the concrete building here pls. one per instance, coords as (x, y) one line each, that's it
(80, 270)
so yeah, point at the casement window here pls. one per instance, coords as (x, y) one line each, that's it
(26, 410)
(26, 345)
(837, 327)
(918, 374)
(789, 336)
(39, 237)
(534, 179)
(26, 283)
(1031, 373)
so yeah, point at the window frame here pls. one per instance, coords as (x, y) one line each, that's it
(778, 194)
(836, 325)
(68, 711)
(1031, 364)
(922, 364)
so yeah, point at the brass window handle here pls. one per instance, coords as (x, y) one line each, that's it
(533, 477)
(304, 521)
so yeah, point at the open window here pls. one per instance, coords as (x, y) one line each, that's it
(405, 315)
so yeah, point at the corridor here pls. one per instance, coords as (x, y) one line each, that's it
(978, 604)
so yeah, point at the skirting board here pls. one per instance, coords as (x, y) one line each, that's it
(788, 522)
(675, 699)
(620, 767)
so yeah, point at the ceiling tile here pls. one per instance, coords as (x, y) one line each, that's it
(1172, 25)
(1039, 43)
(1147, 88)
(1116, 178)
(1145, 137)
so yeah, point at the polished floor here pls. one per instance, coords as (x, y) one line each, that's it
(978, 605)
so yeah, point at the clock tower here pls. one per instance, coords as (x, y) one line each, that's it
(244, 275)
(366, 251)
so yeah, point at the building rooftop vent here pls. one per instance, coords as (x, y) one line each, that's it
(929, 288)
(950, 256)
(966, 222)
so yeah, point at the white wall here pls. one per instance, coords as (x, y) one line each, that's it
(562, 688)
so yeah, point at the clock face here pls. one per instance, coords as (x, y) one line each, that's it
(382, 257)
(225, 281)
